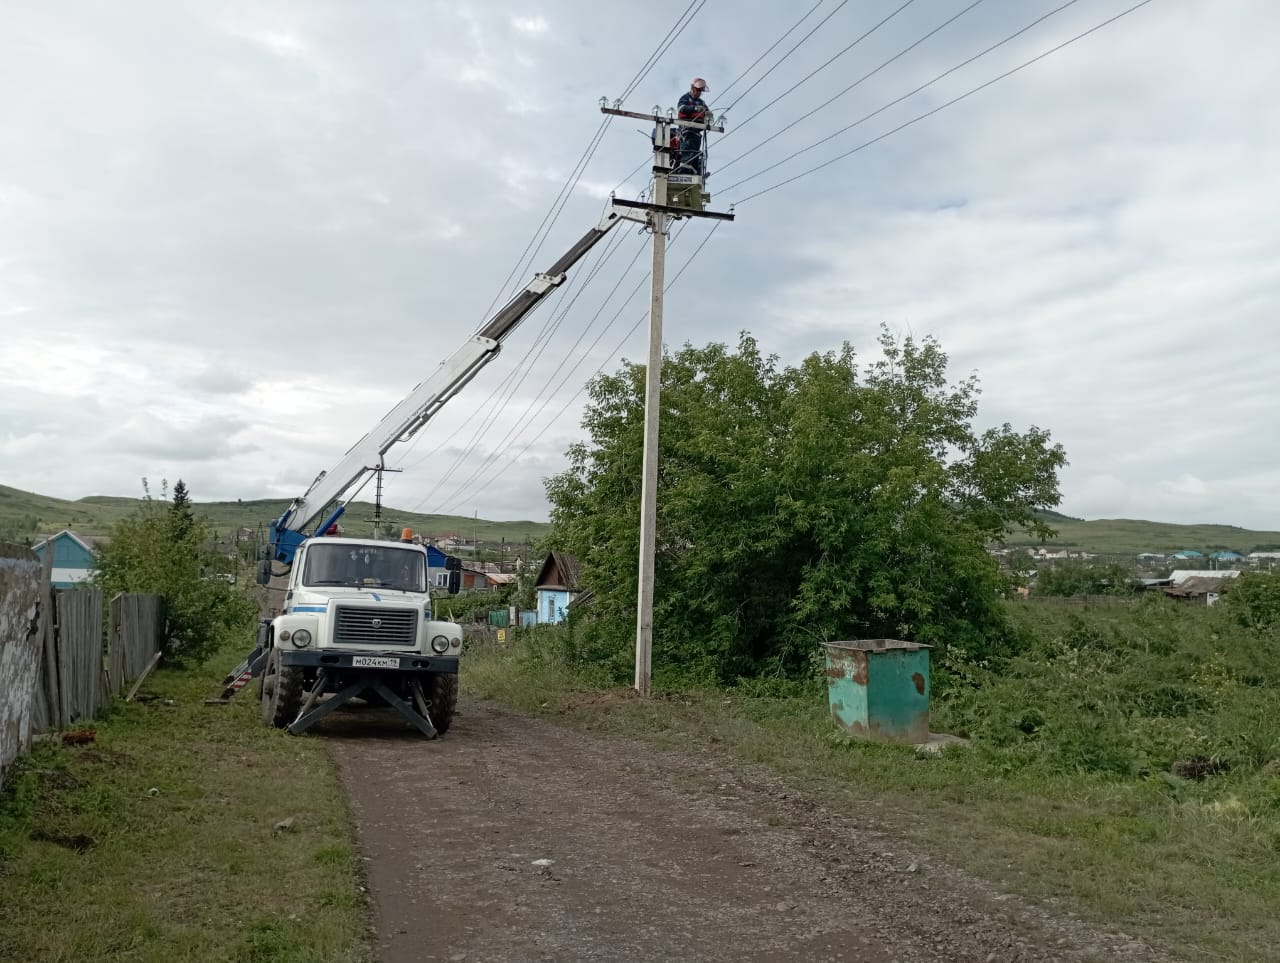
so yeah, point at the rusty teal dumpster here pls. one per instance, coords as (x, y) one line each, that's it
(879, 688)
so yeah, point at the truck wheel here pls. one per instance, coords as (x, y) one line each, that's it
(281, 691)
(443, 693)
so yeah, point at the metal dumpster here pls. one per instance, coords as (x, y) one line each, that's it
(879, 688)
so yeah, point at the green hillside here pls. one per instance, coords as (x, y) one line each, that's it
(25, 515)
(1128, 536)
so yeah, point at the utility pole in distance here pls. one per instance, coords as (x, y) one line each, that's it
(675, 195)
(377, 495)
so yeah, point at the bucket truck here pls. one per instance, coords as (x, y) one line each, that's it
(356, 618)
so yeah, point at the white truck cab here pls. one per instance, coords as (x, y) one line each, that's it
(356, 621)
(363, 595)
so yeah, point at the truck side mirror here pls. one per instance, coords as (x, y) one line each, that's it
(264, 572)
(452, 563)
(455, 581)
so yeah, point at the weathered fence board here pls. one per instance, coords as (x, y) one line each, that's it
(21, 636)
(80, 654)
(135, 633)
(51, 656)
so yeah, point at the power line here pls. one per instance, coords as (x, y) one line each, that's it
(663, 46)
(871, 73)
(786, 55)
(733, 83)
(549, 219)
(735, 80)
(512, 386)
(616, 349)
(809, 76)
(928, 113)
(503, 392)
(526, 417)
(561, 198)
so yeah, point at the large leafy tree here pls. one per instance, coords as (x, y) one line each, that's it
(165, 548)
(797, 505)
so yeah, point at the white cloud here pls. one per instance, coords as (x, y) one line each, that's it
(531, 25)
(236, 249)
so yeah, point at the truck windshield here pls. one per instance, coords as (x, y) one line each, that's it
(365, 566)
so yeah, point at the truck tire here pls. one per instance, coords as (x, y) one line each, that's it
(443, 693)
(281, 691)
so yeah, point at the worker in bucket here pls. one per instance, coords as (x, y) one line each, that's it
(692, 107)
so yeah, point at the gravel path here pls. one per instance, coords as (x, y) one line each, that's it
(513, 838)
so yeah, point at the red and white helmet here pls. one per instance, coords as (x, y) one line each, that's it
(700, 84)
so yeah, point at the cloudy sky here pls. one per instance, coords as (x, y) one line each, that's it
(233, 235)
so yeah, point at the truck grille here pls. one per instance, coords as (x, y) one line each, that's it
(376, 626)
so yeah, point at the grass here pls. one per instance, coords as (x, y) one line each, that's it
(159, 840)
(1192, 870)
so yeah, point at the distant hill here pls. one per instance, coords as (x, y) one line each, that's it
(24, 515)
(1128, 536)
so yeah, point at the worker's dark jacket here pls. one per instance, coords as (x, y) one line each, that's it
(691, 108)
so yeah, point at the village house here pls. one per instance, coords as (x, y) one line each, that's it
(555, 587)
(72, 557)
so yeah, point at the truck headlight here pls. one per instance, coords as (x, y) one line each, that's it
(440, 644)
(301, 638)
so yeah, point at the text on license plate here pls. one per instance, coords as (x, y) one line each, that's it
(374, 662)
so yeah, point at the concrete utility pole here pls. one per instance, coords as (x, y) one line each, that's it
(687, 192)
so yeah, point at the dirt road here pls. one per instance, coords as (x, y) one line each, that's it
(515, 839)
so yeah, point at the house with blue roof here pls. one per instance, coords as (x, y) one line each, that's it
(72, 558)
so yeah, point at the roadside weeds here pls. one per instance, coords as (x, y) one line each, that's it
(182, 831)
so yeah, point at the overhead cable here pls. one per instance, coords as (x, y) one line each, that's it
(553, 213)
(663, 46)
(871, 73)
(549, 219)
(733, 83)
(786, 55)
(492, 406)
(527, 417)
(928, 113)
(811, 74)
(563, 408)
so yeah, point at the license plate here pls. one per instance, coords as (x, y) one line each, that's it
(374, 662)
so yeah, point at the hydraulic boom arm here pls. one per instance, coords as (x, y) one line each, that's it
(404, 420)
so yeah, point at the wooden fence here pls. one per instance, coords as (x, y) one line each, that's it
(78, 651)
(134, 635)
(55, 670)
(78, 673)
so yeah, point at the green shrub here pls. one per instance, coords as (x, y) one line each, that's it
(1124, 690)
(163, 548)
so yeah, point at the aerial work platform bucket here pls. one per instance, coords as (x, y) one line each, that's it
(879, 688)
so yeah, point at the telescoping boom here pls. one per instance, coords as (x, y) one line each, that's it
(404, 420)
